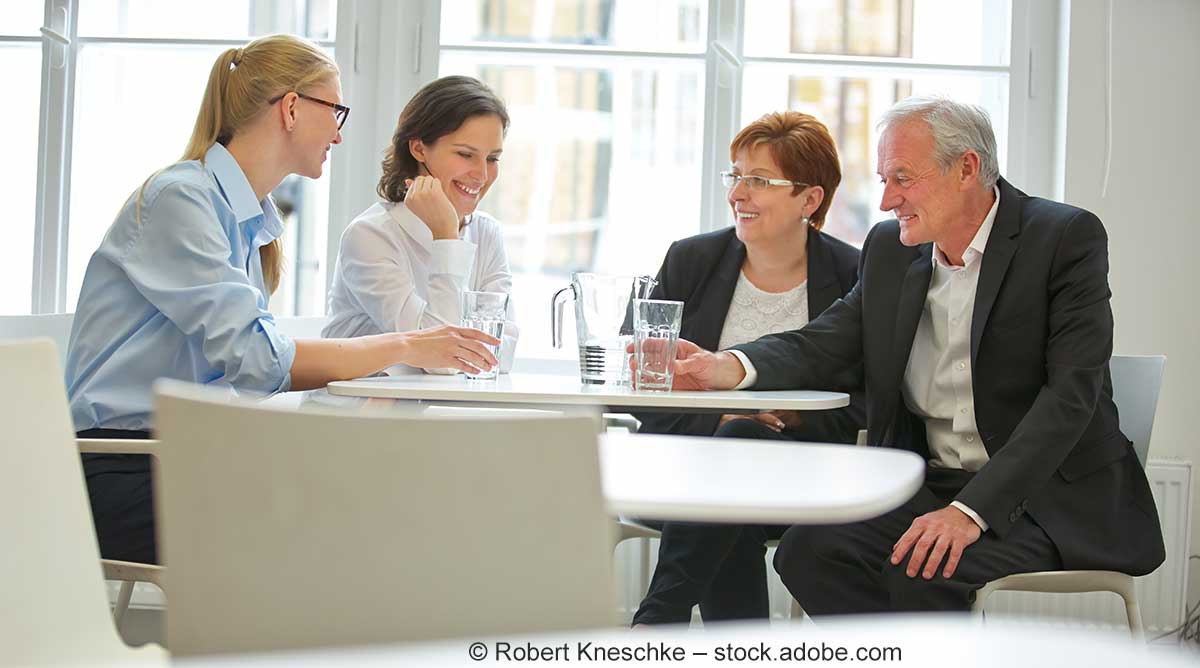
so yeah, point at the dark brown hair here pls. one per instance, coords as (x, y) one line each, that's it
(438, 109)
(802, 147)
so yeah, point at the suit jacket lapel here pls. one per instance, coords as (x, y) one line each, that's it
(823, 286)
(1001, 245)
(716, 293)
(913, 291)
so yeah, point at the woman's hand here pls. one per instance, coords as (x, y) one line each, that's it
(448, 347)
(428, 202)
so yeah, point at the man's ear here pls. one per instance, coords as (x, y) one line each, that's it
(969, 168)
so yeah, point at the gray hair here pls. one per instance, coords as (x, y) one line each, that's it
(957, 128)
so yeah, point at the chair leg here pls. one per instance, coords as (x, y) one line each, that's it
(1133, 612)
(122, 605)
(795, 612)
(644, 554)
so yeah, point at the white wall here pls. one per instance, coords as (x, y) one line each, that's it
(1149, 208)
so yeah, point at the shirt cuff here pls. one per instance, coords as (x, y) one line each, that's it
(452, 256)
(751, 373)
(983, 525)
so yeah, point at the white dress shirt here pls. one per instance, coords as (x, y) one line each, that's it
(393, 276)
(937, 381)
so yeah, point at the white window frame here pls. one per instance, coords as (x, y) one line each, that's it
(387, 50)
(404, 40)
(60, 53)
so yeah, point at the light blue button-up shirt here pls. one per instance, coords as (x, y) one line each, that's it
(180, 295)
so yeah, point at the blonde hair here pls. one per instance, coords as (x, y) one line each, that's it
(242, 81)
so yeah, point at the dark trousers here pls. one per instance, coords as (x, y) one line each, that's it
(121, 492)
(719, 567)
(846, 568)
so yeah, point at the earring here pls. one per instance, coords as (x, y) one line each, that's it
(805, 220)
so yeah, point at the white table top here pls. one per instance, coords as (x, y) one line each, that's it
(555, 390)
(767, 482)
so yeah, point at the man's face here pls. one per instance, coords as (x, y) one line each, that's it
(927, 202)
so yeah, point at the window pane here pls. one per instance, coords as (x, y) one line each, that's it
(851, 107)
(215, 19)
(972, 32)
(18, 172)
(657, 25)
(601, 169)
(114, 151)
(21, 18)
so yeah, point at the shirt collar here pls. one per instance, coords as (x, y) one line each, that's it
(979, 242)
(219, 162)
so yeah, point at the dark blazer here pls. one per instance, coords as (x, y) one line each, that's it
(702, 272)
(1041, 338)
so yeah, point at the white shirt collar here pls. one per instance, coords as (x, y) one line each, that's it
(979, 242)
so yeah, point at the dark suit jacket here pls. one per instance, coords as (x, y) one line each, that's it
(1041, 338)
(702, 272)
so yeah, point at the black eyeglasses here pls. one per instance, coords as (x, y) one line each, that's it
(340, 111)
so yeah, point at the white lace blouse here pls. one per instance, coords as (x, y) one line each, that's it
(754, 312)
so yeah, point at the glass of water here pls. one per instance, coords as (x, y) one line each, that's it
(655, 336)
(485, 311)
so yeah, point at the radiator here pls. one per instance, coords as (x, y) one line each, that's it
(1162, 594)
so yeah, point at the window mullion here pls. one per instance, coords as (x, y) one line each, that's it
(722, 92)
(54, 157)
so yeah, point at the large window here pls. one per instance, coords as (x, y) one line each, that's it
(131, 74)
(622, 112)
(614, 103)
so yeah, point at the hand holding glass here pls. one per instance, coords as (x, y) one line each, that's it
(655, 336)
(486, 312)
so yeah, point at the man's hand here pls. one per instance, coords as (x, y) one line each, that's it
(933, 535)
(428, 202)
(774, 420)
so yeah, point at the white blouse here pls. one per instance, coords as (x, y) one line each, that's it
(393, 276)
(754, 312)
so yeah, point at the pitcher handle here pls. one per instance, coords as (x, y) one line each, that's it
(556, 315)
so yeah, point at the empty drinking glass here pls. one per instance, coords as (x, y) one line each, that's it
(655, 336)
(486, 312)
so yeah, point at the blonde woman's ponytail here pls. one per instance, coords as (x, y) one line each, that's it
(212, 116)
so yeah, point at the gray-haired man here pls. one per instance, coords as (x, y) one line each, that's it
(981, 329)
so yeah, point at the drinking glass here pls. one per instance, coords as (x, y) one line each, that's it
(655, 337)
(485, 311)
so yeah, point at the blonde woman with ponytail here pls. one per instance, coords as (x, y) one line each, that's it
(180, 285)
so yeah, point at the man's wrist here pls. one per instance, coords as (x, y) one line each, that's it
(731, 372)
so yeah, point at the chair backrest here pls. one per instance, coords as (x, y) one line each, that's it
(56, 327)
(54, 608)
(1137, 380)
(285, 529)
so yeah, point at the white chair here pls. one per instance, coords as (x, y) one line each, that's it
(57, 327)
(1136, 382)
(54, 610)
(287, 529)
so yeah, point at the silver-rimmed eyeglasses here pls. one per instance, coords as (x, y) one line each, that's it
(754, 182)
